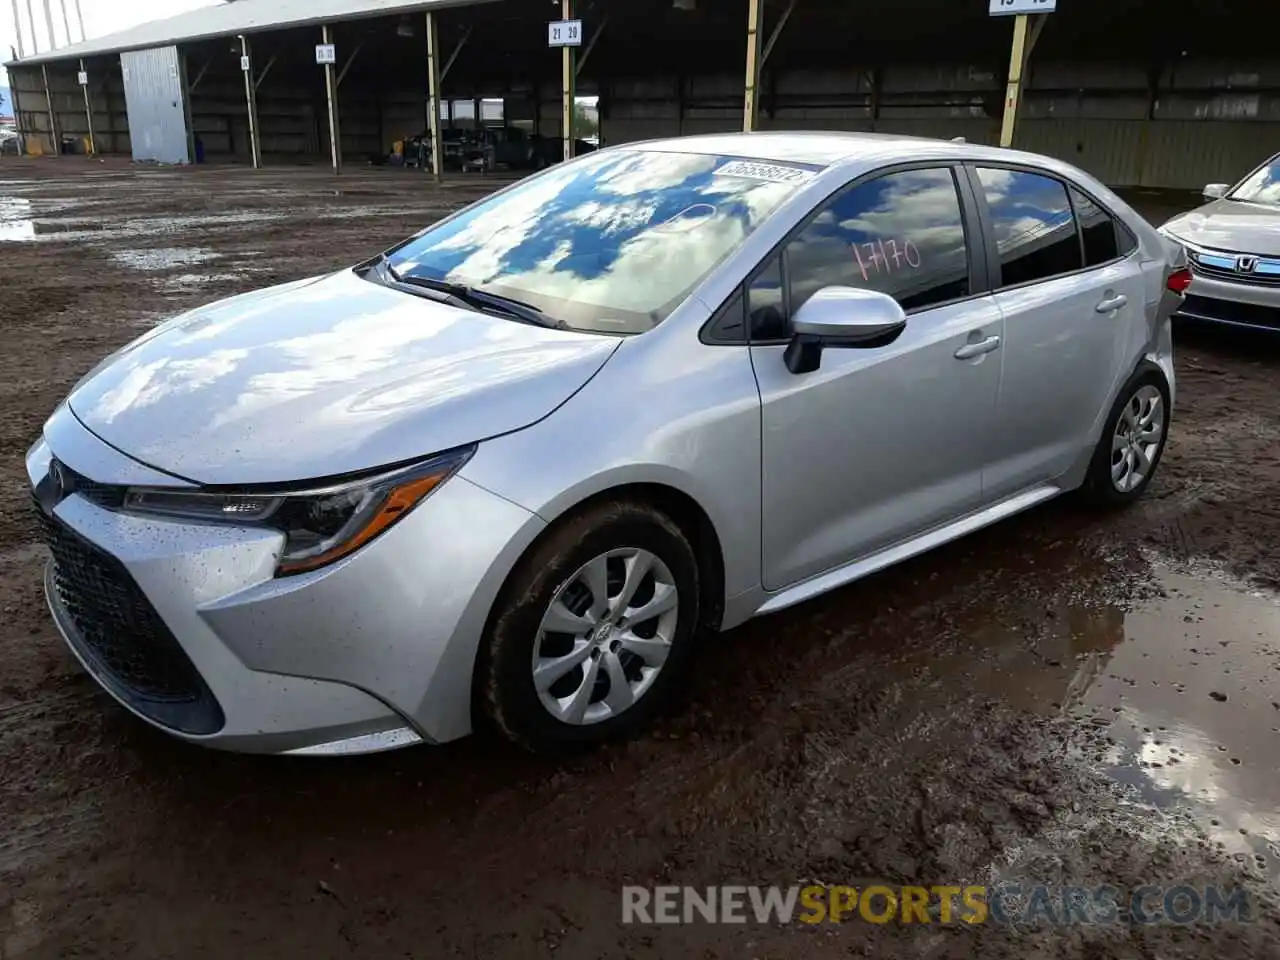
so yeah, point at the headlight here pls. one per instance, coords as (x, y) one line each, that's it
(320, 525)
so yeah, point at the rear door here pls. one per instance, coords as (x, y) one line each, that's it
(880, 443)
(1069, 287)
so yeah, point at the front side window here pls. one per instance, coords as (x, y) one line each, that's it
(766, 306)
(611, 244)
(1035, 232)
(1261, 186)
(901, 234)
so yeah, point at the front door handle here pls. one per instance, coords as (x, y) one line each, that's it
(971, 350)
(1112, 304)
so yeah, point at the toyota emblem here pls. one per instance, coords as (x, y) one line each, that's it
(61, 480)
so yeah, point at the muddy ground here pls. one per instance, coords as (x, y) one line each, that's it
(1062, 699)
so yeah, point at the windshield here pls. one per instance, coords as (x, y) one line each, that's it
(612, 243)
(1261, 186)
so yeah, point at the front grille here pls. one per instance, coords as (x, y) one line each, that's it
(1228, 311)
(120, 633)
(1256, 279)
(1221, 265)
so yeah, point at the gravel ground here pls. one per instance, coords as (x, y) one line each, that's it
(1064, 699)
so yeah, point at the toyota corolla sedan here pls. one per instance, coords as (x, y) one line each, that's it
(1233, 243)
(509, 471)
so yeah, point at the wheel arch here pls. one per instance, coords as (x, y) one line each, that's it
(683, 509)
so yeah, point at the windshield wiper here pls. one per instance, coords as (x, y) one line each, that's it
(391, 277)
(518, 309)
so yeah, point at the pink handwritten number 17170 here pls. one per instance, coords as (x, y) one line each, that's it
(883, 257)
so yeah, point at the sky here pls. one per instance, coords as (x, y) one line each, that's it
(100, 18)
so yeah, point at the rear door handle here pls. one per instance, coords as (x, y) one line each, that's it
(1115, 303)
(971, 350)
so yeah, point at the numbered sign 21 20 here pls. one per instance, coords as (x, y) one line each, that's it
(1009, 8)
(564, 33)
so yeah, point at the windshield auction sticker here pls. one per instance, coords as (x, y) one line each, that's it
(772, 172)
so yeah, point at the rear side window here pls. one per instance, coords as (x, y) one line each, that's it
(1035, 231)
(902, 234)
(1105, 238)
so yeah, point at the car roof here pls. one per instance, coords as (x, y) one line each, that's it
(831, 148)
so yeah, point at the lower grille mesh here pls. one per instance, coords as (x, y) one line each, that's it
(120, 632)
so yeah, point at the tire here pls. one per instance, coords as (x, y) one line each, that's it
(1118, 475)
(559, 571)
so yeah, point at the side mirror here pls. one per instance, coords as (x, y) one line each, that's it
(1216, 191)
(841, 317)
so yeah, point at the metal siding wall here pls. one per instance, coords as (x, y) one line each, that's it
(1111, 150)
(1193, 153)
(153, 95)
(1159, 153)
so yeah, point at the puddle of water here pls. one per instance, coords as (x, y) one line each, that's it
(1185, 685)
(16, 225)
(163, 258)
(200, 279)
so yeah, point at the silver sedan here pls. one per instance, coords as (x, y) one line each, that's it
(1233, 242)
(511, 470)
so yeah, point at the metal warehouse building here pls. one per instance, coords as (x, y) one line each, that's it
(1140, 94)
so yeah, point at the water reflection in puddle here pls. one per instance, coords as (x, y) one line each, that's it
(19, 223)
(16, 225)
(163, 258)
(1187, 688)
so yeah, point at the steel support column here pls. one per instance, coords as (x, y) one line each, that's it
(751, 99)
(776, 32)
(569, 70)
(31, 19)
(591, 44)
(80, 20)
(55, 140)
(88, 109)
(251, 102)
(433, 94)
(331, 92)
(48, 20)
(17, 26)
(1026, 30)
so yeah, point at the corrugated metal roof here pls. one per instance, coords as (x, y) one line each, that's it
(230, 19)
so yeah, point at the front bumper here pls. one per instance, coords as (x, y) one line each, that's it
(1232, 303)
(371, 653)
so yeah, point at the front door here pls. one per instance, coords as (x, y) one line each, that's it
(878, 444)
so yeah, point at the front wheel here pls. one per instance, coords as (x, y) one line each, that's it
(593, 629)
(1132, 442)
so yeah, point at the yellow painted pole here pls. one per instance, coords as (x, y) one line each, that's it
(755, 30)
(1013, 92)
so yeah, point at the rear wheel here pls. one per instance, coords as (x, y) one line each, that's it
(1132, 442)
(593, 629)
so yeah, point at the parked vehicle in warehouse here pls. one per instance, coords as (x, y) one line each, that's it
(513, 148)
(509, 471)
(1233, 244)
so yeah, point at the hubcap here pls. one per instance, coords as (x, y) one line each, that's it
(1137, 438)
(605, 636)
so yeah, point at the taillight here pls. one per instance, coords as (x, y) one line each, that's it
(1179, 280)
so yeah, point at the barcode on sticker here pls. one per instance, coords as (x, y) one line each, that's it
(773, 172)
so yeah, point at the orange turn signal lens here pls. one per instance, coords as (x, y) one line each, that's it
(375, 517)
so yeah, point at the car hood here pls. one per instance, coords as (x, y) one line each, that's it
(1231, 225)
(325, 377)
